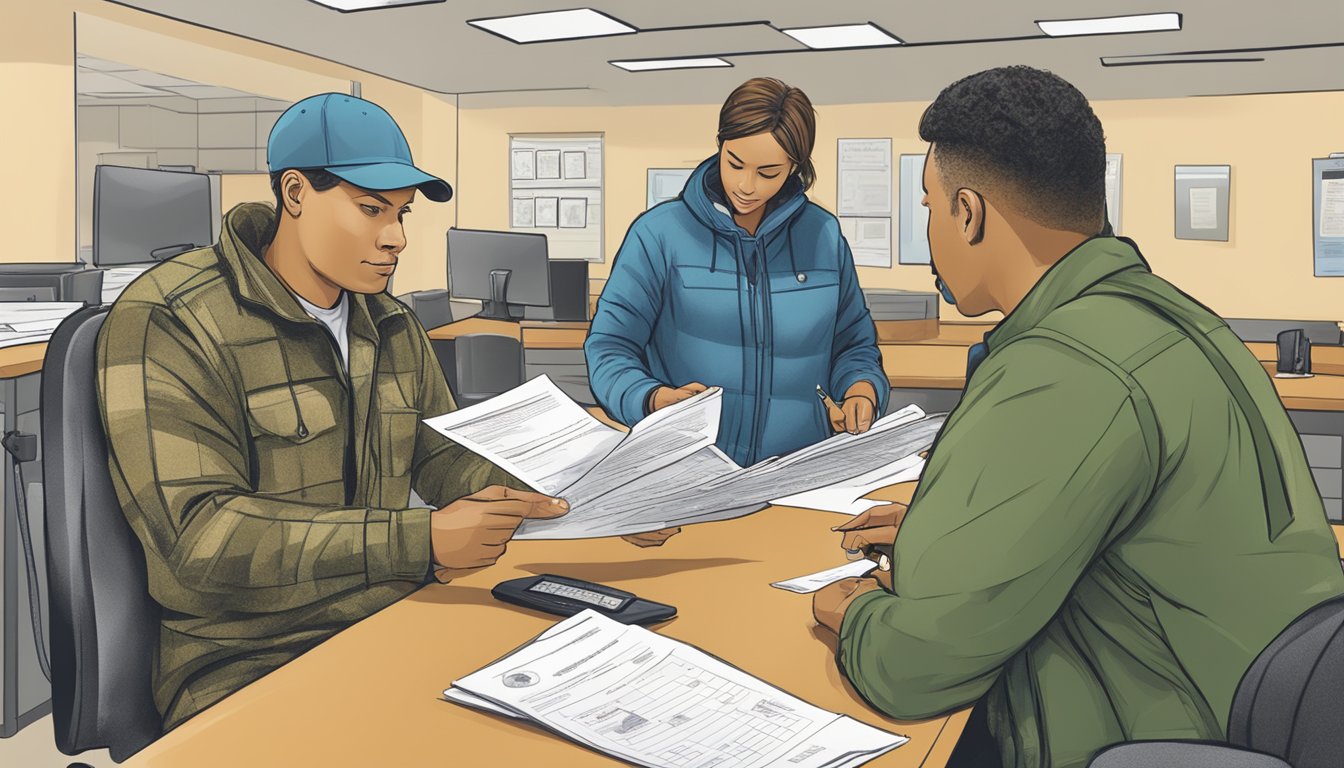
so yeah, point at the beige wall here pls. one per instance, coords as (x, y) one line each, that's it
(1265, 270)
(37, 58)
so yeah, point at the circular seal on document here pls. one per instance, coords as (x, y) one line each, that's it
(521, 679)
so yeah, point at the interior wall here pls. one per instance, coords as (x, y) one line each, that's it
(38, 42)
(1264, 270)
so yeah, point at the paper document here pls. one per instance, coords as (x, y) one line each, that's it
(654, 701)
(1203, 207)
(1332, 208)
(30, 322)
(815, 581)
(846, 496)
(666, 471)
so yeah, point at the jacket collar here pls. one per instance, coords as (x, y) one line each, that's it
(246, 232)
(1091, 262)
(704, 196)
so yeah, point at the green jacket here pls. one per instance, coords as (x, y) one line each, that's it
(1091, 544)
(227, 411)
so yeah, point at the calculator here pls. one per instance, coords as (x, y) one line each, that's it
(565, 597)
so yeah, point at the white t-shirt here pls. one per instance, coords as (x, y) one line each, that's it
(337, 319)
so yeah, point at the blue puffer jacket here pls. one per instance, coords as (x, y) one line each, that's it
(693, 297)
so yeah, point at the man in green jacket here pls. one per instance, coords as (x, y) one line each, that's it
(1118, 516)
(263, 402)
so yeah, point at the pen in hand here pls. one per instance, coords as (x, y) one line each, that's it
(826, 399)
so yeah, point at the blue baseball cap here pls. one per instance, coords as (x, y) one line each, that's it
(353, 139)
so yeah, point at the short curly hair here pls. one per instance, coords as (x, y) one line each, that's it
(1026, 136)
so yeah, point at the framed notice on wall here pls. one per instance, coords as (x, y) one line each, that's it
(555, 189)
(1202, 196)
(1327, 216)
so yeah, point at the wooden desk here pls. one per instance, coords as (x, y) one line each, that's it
(940, 363)
(21, 360)
(371, 695)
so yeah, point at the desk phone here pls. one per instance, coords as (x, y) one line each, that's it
(566, 597)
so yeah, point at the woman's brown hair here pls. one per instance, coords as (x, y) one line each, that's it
(766, 105)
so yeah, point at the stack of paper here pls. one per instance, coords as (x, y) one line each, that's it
(654, 701)
(666, 472)
(29, 322)
(115, 280)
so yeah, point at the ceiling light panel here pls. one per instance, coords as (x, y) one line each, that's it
(1112, 25)
(843, 36)
(346, 6)
(649, 65)
(554, 25)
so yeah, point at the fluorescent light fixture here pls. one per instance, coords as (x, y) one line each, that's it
(554, 25)
(1112, 25)
(647, 65)
(843, 36)
(346, 6)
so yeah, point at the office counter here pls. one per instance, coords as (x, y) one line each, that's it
(25, 692)
(371, 694)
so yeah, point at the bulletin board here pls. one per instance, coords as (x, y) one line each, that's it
(1327, 216)
(555, 189)
(1203, 193)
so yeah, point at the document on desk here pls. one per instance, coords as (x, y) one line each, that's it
(846, 496)
(654, 701)
(27, 322)
(815, 581)
(666, 471)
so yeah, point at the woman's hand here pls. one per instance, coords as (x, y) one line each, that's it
(665, 396)
(652, 538)
(857, 412)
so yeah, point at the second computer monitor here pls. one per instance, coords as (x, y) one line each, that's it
(505, 270)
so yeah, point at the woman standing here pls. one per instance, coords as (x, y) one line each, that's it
(744, 284)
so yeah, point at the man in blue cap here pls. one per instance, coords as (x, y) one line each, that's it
(263, 401)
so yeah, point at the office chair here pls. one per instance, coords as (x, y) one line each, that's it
(104, 624)
(487, 364)
(431, 308)
(1286, 711)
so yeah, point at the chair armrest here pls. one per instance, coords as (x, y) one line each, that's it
(1182, 754)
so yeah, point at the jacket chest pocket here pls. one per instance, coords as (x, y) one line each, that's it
(298, 413)
(397, 427)
(292, 427)
(704, 304)
(803, 312)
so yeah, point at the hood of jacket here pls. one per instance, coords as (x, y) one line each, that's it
(705, 198)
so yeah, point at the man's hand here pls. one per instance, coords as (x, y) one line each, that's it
(872, 527)
(855, 414)
(652, 538)
(472, 532)
(665, 396)
(830, 602)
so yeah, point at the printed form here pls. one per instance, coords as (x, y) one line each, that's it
(666, 471)
(654, 701)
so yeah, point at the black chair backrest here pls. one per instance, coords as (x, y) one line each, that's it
(1290, 700)
(432, 308)
(488, 364)
(104, 624)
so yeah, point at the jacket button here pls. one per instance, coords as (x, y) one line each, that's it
(802, 278)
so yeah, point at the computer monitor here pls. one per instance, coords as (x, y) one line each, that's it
(51, 281)
(143, 215)
(569, 293)
(505, 270)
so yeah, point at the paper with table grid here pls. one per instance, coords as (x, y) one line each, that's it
(655, 701)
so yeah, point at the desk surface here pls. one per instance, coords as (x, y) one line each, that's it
(21, 360)
(371, 695)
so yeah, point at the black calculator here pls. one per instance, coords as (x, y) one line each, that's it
(566, 597)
